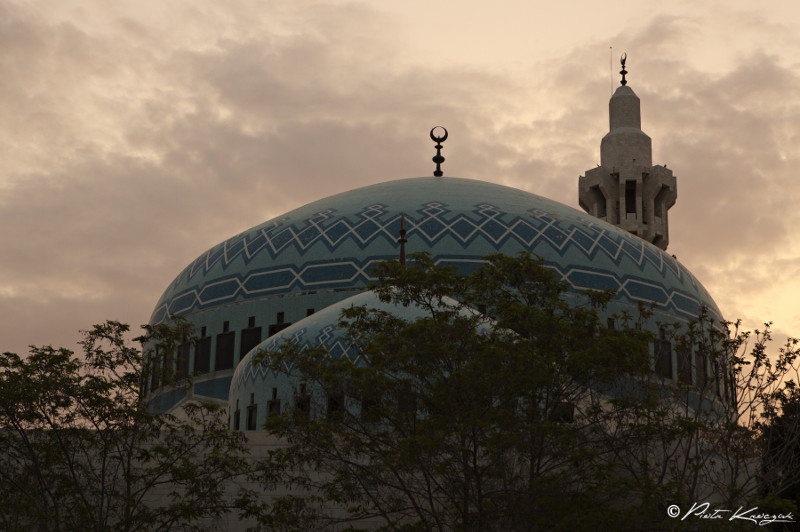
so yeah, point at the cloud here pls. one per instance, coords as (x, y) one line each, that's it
(132, 143)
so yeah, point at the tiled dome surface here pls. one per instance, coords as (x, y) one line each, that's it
(332, 243)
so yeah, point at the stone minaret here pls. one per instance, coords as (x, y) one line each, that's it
(626, 189)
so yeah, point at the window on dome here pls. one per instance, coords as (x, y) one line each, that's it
(335, 405)
(202, 354)
(168, 366)
(663, 355)
(182, 369)
(274, 404)
(701, 372)
(224, 354)
(685, 366)
(302, 402)
(279, 324)
(155, 372)
(252, 413)
(236, 416)
(251, 337)
(664, 358)
(370, 408)
(309, 311)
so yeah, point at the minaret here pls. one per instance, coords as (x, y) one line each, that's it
(626, 189)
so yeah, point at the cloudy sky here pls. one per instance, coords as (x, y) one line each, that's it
(136, 135)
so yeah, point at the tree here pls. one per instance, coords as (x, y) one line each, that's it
(81, 451)
(780, 435)
(531, 414)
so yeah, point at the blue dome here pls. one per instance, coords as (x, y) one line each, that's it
(255, 384)
(289, 267)
(331, 243)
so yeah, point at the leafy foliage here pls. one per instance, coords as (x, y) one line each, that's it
(82, 452)
(532, 414)
(461, 419)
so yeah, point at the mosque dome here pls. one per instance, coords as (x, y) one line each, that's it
(255, 384)
(279, 273)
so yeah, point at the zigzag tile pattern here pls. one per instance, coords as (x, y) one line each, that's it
(335, 345)
(433, 223)
(587, 254)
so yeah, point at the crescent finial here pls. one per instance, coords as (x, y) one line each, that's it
(622, 60)
(436, 139)
(438, 159)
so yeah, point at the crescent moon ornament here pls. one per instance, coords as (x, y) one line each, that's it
(436, 139)
(622, 60)
(438, 159)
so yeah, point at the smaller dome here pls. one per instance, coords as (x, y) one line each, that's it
(255, 389)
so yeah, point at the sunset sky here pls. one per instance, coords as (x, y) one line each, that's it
(136, 135)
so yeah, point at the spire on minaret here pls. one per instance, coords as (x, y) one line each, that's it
(626, 189)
